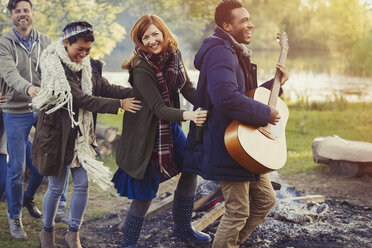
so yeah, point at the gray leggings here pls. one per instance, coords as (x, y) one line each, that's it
(186, 187)
(78, 201)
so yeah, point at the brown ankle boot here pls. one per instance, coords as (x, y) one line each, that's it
(47, 239)
(72, 240)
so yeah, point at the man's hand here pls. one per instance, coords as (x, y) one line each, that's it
(285, 73)
(2, 98)
(274, 116)
(33, 91)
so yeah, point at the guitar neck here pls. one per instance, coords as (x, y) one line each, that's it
(277, 79)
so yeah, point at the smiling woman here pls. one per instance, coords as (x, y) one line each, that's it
(157, 76)
(72, 92)
(78, 47)
(153, 39)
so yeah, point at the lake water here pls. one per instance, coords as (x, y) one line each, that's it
(302, 84)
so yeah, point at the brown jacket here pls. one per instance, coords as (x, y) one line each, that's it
(139, 130)
(54, 140)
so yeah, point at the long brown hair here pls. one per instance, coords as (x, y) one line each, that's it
(140, 27)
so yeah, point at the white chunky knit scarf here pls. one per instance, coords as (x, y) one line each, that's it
(55, 93)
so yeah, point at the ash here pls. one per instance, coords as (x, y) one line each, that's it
(331, 224)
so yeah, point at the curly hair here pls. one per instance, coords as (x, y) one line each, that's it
(223, 11)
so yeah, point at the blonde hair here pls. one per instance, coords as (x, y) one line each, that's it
(138, 30)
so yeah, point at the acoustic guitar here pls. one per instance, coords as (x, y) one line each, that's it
(262, 149)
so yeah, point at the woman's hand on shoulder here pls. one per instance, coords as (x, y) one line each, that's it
(130, 104)
(198, 116)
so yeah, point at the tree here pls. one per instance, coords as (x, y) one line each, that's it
(53, 15)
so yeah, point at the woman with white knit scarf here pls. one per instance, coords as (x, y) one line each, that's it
(72, 90)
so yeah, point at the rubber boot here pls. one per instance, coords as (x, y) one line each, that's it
(182, 228)
(132, 229)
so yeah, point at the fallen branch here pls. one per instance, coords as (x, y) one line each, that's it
(164, 204)
(160, 207)
(209, 217)
(306, 198)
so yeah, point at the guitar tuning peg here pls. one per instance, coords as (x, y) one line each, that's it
(278, 37)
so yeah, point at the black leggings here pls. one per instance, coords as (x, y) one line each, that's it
(186, 187)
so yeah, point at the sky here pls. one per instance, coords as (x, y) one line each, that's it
(367, 1)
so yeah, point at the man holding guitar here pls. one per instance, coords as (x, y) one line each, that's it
(226, 75)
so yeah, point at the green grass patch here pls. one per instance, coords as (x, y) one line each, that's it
(111, 120)
(96, 214)
(31, 225)
(110, 162)
(307, 121)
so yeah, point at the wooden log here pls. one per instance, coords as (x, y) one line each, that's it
(199, 203)
(166, 203)
(345, 157)
(338, 149)
(209, 217)
(344, 168)
(315, 147)
(365, 169)
(306, 198)
(160, 207)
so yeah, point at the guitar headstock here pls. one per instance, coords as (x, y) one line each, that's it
(282, 39)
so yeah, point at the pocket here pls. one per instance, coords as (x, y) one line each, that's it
(46, 150)
(16, 96)
(50, 133)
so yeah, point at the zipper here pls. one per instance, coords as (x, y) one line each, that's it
(30, 61)
(29, 58)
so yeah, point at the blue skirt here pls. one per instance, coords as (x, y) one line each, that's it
(146, 188)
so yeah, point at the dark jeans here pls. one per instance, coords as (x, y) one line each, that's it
(17, 129)
(3, 170)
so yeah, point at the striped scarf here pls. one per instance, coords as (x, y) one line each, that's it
(171, 65)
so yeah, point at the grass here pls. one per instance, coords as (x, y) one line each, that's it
(111, 120)
(31, 225)
(307, 121)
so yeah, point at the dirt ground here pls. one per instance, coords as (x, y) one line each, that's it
(106, 231)
(355, 190)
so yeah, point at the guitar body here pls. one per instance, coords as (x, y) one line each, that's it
(251, 148)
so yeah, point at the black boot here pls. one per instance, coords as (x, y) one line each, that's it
(182, 228)
(30, 205)
(132, 229)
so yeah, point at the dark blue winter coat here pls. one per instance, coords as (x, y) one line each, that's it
(222, 85)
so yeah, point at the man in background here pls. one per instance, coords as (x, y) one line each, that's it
(20, 51)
